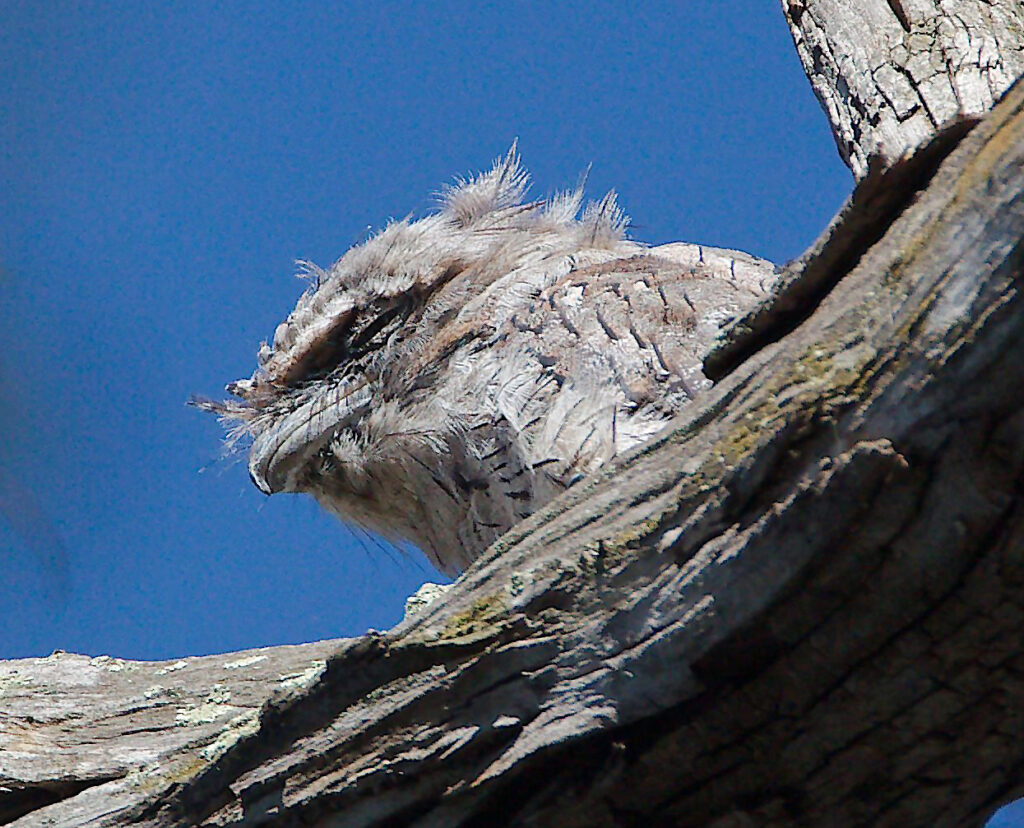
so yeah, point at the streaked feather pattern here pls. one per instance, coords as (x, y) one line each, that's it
(450, 375)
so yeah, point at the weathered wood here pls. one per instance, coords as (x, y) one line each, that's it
(889, 73)
(86, 729)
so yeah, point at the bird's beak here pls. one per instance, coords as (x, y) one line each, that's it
(280, 452)
(258, 481)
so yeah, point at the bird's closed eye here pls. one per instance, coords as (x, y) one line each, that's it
(361, 343)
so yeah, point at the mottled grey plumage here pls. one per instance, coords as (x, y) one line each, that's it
(447, 377)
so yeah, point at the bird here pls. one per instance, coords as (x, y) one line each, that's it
(451, 374)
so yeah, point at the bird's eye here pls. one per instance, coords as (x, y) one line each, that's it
(377, 323)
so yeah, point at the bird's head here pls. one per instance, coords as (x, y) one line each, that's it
(334, 398)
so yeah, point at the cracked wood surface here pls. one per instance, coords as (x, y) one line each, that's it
(802, 605)
(889, 73)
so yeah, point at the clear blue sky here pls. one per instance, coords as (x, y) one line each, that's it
(163, 166)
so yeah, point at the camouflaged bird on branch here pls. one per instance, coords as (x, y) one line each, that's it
(449, 376)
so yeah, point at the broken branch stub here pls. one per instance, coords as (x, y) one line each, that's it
(890, 73)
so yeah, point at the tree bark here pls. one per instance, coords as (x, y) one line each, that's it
(802, 605)
(889, 73)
